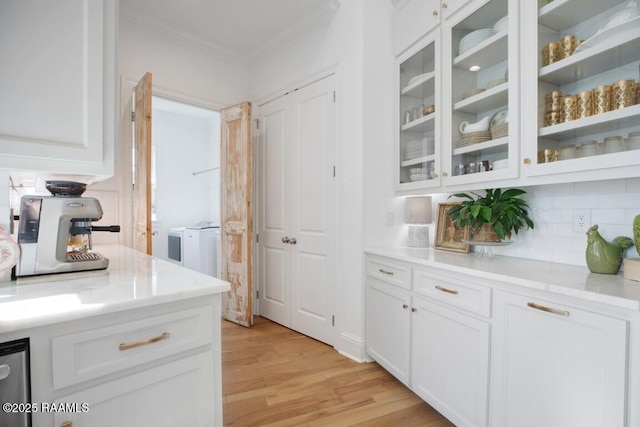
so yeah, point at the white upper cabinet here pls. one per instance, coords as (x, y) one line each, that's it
(418, 147)
(480, 126)
(559, 82)
(413, 19)
(583, 86)
(58, 85)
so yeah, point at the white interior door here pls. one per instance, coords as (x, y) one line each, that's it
(313, 210)
(296, 209)
(274, 279)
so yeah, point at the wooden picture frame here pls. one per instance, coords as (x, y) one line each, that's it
(450, 237)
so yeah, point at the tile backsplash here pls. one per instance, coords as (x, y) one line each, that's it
(611, 204)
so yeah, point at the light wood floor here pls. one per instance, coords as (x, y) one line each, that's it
(272, 376)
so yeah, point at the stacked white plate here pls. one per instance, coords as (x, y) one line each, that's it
(475, 138)
(500, 164)
(421, 148)
(474, 38)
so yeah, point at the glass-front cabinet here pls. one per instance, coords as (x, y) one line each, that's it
(583, 83)
(481, 80)
(418, 148)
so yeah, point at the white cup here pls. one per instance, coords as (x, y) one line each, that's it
(589, 148)
(567, 152)
(613, 144)
(633, 142)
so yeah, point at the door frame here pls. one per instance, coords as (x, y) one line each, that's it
(125, 146)
(338, 309)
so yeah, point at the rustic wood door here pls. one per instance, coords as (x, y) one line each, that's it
(235, 212)
(142, 169)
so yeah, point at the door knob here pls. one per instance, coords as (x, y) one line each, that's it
(286, 239)
(293, 241)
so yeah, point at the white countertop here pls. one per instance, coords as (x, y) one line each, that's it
(570, 280)
(132, 280)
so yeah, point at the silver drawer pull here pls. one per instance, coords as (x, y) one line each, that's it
(128, 346)
(383, 271)
(548, 309)
(447, 290)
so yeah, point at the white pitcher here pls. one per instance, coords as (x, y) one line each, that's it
(481, 125)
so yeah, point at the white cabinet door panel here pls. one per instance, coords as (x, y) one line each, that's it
(58, 85)
(149, 398)
(388, 320)
(412, 19)
(450, 362)
(557, 366)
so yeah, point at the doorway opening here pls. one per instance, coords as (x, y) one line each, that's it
(185, 171)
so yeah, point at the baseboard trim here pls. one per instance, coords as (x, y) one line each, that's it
(352, 347)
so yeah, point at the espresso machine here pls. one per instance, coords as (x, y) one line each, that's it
(54, 232)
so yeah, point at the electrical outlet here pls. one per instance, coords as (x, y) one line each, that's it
(581, 220)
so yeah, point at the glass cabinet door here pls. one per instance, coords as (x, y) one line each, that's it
(585, 87)
(481, 74)
(418, 112)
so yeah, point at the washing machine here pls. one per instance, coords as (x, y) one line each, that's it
(201, 252)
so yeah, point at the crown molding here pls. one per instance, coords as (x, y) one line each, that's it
(312, 24)
(316, 21)
(164, 32)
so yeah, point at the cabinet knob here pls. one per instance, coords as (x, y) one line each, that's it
(66, 424)
(435, 13)
(286, 239)
(405, 306)
(293, 241)
(526, 160)
(434, 175)
(444, 5)
(413, 309)
(445, 174)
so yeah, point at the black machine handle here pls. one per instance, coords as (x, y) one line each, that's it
(111, 228)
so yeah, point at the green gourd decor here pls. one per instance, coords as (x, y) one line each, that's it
(605, 257)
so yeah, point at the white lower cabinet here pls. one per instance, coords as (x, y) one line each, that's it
(177, 392)
(152, 366)
(450, 362)
(388, 326)
(489, 353)
(437, 349)
(557, 365)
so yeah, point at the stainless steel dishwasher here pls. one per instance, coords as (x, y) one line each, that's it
(15, 384)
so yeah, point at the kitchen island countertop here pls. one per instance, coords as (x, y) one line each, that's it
(132, 280)
(570, 280)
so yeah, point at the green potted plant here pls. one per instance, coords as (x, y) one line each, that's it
(492, 217)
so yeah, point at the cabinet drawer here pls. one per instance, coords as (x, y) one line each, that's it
(86, 355)
(458, 293)
(390, 272)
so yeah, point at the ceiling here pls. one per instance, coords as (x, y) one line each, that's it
(242, 28)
